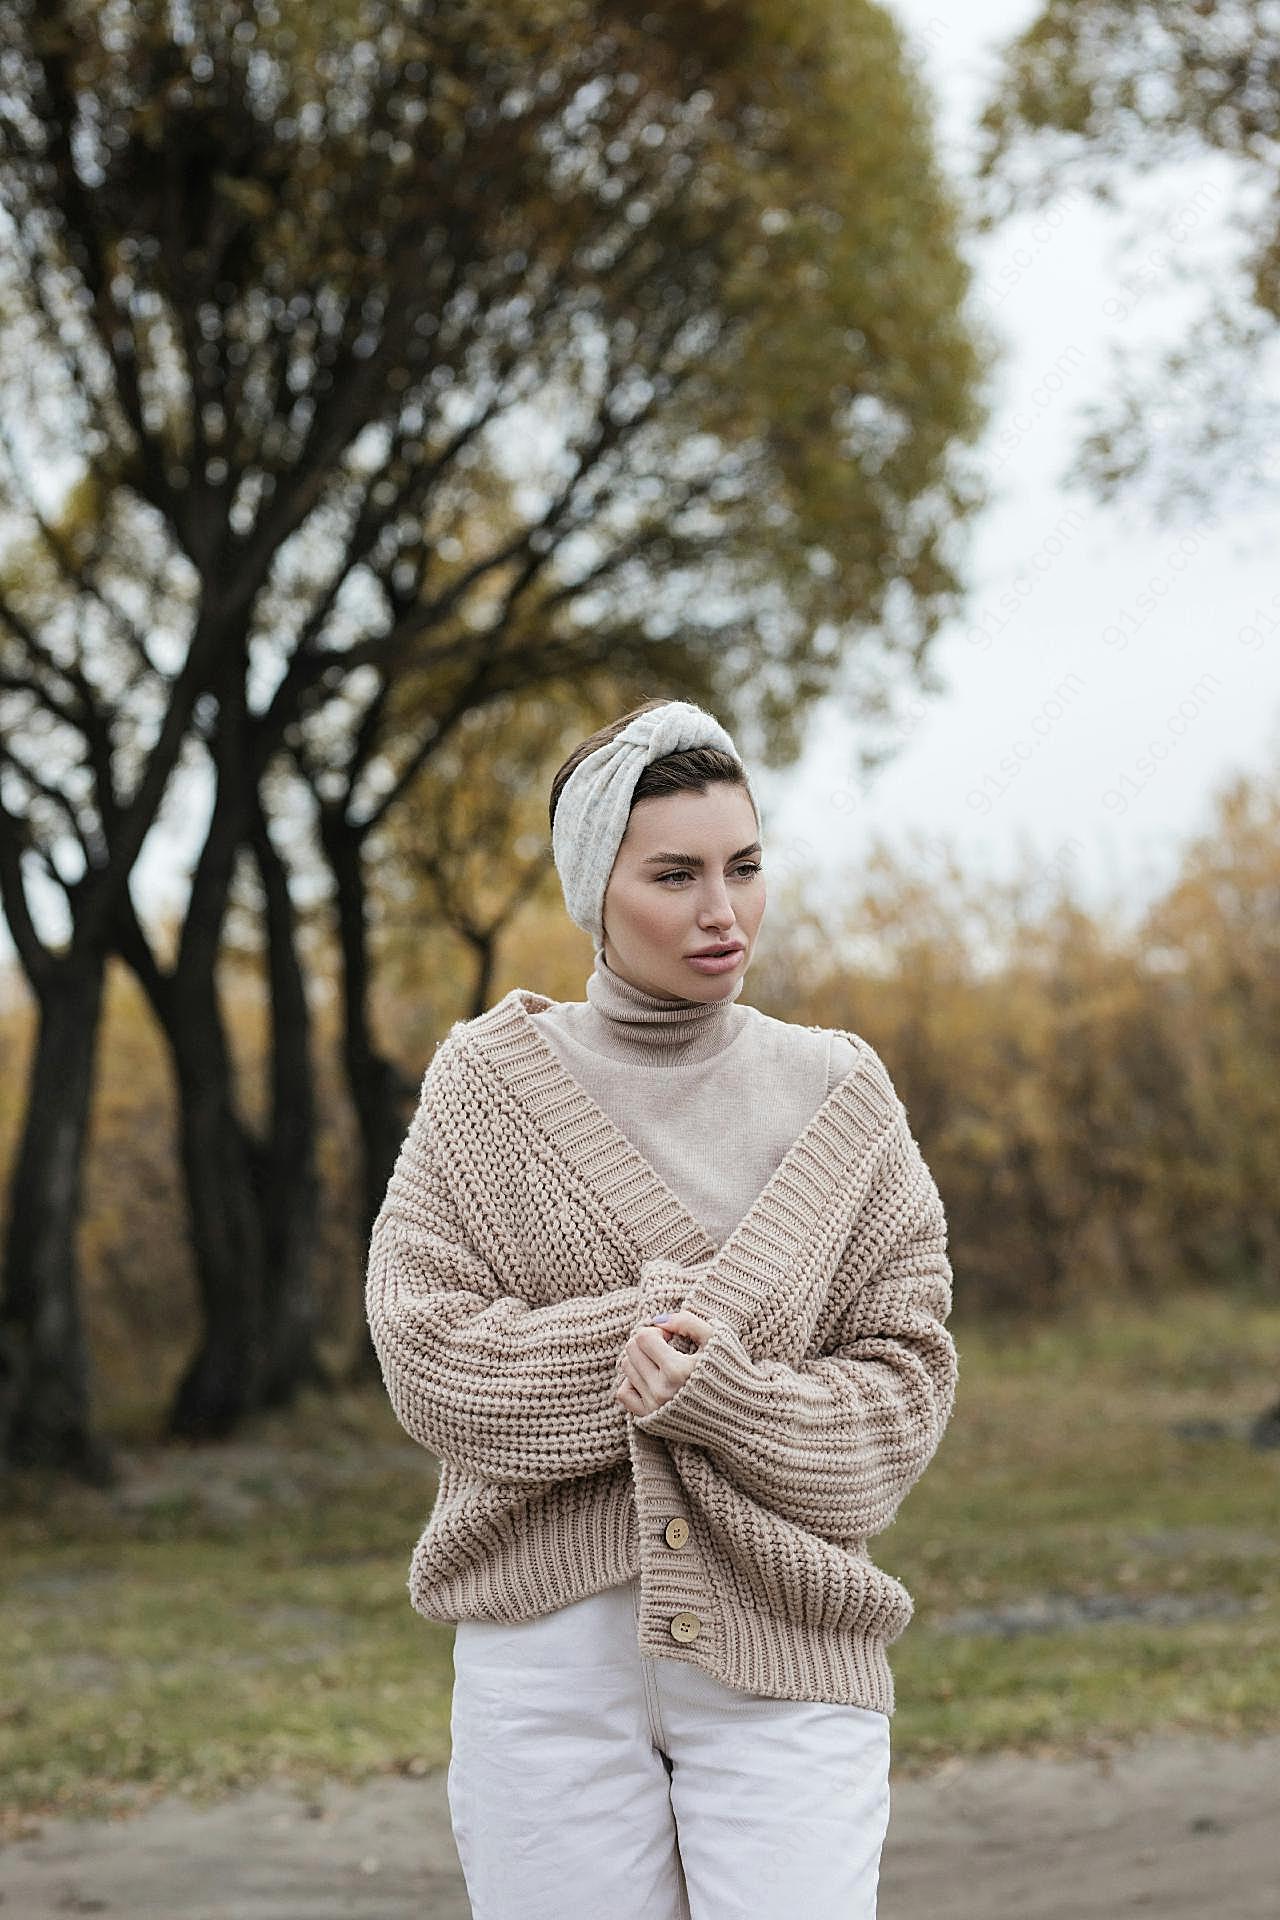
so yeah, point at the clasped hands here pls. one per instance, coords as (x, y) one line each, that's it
(651, 1371)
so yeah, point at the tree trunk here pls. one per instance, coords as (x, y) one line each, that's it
(289, 1189)
(251, 1206)
(377, 1087)
(222, 1381)
(45, 1418)
(485, 947)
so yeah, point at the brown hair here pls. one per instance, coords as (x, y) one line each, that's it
(689, 770)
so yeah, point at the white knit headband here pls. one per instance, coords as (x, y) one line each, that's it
(595, 801)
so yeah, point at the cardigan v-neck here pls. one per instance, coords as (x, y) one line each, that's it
(779, 1229)
(710, 1093)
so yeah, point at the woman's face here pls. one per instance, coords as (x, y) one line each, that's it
(687, 876)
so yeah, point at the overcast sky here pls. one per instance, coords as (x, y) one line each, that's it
(1119, 684)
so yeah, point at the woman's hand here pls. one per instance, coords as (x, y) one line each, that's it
(651, 1372)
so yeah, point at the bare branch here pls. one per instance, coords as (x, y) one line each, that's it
(55, 798)
(65, 559)
(36, 958)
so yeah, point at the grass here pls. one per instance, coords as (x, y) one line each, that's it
(238, 1613)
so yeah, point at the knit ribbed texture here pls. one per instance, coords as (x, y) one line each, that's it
(624, 1022)
(524, 1237)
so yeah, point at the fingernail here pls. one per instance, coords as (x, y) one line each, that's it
(659, 1318)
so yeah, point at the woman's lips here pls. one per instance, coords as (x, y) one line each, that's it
(713, 962)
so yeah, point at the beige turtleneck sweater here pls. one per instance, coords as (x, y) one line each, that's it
(712, 1093)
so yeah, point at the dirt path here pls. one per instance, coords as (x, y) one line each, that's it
(1183, 1828)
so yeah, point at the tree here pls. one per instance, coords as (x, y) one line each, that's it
(92, 729)
(1094, 92)
(491, 349)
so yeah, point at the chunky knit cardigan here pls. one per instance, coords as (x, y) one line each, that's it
(523, 1238)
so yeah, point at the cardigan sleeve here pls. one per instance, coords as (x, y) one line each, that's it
(835, 1443)
(507, 1390)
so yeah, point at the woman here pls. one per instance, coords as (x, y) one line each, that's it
(662, 1281)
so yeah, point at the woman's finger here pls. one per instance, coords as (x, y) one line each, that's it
(639, 1382)
(682, 1321)
(648, 1353)
(674, 1372)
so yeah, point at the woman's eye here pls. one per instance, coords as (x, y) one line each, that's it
(749, 867)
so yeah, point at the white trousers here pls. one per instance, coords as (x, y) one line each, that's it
(590, 1780)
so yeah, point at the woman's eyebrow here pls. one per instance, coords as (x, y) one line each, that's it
(694, 859)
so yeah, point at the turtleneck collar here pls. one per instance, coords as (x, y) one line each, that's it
(644, 1024)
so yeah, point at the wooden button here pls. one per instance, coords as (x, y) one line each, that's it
(685, 1627)
(677, 1533)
